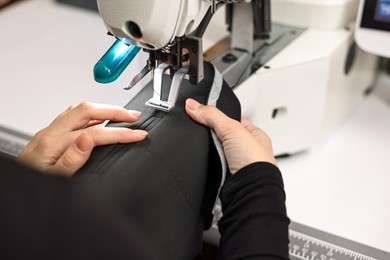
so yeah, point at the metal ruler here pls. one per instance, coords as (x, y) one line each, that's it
(314, 244)
(12, 142)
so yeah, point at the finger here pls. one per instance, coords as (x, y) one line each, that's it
(114, 135)
(93, 123)
(82, 114)
(248, 125)
(254, 130)
(207, 115)
(104, 135)
(74, 157)
(71, 107)
(258, 133)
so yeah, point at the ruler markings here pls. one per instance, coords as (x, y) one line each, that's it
(327, 245)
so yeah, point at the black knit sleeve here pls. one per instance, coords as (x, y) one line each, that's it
(254, 223)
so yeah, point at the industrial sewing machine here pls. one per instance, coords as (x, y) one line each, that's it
(296, 75)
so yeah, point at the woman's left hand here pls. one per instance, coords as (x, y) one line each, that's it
(66, 144)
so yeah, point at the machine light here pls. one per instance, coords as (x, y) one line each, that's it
(114, 62)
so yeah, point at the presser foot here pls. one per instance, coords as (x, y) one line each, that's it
(156, 101)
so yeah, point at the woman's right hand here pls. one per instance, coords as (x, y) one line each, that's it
(243, 142)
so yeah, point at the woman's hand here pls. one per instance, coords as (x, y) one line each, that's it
(243, 142)
(4, 2)
(66, 144)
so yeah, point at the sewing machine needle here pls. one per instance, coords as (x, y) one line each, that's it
(138, 77)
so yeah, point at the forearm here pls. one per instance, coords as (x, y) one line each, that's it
(254, 223)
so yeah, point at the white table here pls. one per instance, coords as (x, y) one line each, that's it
(341, 186)
(48, 51)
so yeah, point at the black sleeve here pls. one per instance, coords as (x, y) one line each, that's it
(47, 217)
(254, 223)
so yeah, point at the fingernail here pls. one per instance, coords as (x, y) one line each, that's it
(192, 104)
(140, 132)
(134, 113)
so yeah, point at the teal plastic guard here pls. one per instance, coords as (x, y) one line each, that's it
(114, 62)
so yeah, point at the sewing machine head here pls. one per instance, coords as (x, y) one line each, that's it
(170, 31)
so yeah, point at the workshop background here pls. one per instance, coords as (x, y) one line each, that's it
(340, 185)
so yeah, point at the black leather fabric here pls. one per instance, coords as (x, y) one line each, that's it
(168, 183)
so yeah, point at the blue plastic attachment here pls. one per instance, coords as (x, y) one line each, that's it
(114, 62)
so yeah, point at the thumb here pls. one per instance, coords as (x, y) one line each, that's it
(75, 156)
(206, 115)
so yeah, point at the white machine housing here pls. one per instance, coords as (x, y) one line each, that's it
(376, 41)
(158, 21)
(303, 92)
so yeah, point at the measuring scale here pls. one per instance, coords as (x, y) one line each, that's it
(313, 244)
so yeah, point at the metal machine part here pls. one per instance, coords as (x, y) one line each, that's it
(156, 100)
(236, 65)
(177, 42)
(88, 4)
(12, 142)
(304, 80)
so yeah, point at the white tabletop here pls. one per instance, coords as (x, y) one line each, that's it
(342, 186)
(48, 51)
